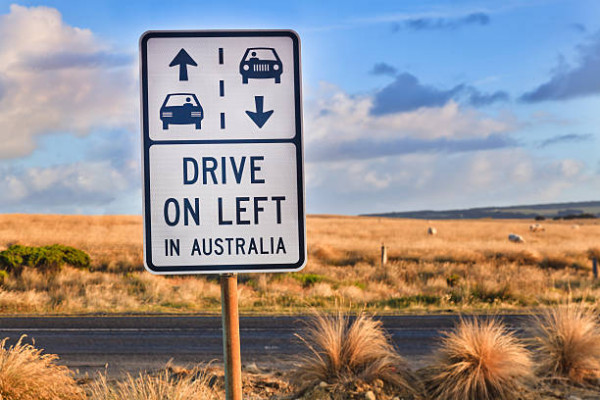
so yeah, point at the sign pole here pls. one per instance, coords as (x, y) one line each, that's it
(231, 337)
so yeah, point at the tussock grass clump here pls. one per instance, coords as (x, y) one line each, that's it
(343, 351)
(568, 343)
(479, 360)
(164, 386)
(27, 374)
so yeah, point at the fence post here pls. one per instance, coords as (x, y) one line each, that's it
(383, 255)
(595, 267)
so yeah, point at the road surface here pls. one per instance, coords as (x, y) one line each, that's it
(133, 343)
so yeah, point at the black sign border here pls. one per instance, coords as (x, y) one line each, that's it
(147, 143)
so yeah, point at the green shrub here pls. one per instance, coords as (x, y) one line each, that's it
(407, 301)
(3, 277)
(360, 285)
(46, 258)
(308, 280)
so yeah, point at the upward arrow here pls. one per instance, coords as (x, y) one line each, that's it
(259, 117)
(183, 59)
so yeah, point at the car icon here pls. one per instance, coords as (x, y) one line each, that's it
(181, 109)
(261, 63)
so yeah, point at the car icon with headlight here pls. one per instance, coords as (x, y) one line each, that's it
(261, 63)
(181, 109)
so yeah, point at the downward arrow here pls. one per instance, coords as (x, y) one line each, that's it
(259, 117)
(183, 59)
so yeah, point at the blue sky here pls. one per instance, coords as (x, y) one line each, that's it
(408, 105)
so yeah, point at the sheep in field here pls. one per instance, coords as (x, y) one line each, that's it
(536, 228)
(513, 237)
(431, 231)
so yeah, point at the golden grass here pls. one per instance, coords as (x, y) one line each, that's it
(342, 351)
(113, 242)
(148, 387)
(466, 240)
(480, 360)
(468, 266)
(77, 291)
(27, 374)
(568, 343)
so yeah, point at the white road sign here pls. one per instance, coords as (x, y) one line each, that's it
(222, 152)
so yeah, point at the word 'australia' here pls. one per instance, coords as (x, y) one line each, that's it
(238, 246)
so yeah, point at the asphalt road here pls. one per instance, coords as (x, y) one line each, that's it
(133, 343)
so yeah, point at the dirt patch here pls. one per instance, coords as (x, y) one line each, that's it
(356, 391)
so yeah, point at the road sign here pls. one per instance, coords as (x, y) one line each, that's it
(222, 152)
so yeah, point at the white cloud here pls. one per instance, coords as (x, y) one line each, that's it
(522, 171)
(336, 115)
(442, 181)
(569, 168)
(376, 180)
(58, 78)
(442, 157)
(65, 187)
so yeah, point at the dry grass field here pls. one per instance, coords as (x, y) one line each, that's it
(467, 266)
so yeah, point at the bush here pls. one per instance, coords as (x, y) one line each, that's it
(164, 386)
(407, 301)
(45, 258)
(27, 374)
(342, 351)
(3, 277)
(479, 360)
(568, 343)
(308, 280)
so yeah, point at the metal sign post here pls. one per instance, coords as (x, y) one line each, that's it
(222, 160)
(231, 337)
